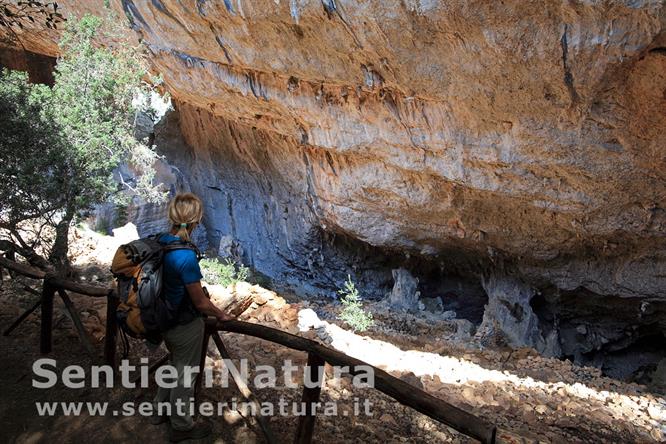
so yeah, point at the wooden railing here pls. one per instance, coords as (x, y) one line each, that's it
(399, 390)
(318, 356)
(55, 284)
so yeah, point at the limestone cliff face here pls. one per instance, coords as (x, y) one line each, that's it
(522, 135)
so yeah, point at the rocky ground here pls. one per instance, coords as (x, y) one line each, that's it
(531, 398)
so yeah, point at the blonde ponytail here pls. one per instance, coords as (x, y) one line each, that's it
(185, 210)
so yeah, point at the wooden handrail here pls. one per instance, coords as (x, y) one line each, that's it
(25, 270)
(55, 281)
(399, 390)
(51, 285)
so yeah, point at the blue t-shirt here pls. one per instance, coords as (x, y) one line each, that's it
(180, 268)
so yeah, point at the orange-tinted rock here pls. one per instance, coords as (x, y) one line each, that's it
(527, 132)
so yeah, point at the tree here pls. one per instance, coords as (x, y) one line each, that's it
(92, 105)
(33, 157)
(88, 116)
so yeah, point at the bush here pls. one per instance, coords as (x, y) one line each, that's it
(33, 153)
(224, 273)
(352, 308)
(59, 146)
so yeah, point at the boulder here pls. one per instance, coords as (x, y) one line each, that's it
(308, 319)
(404, 295)
(433, 305)
(127, 233)
(509, 317)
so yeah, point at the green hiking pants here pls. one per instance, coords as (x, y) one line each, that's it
(184, 343)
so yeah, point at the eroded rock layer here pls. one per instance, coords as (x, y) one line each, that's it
(532, 133)
(332, 137)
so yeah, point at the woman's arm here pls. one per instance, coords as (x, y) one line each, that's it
(203, 304)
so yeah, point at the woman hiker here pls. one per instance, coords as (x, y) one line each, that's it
(182, 287)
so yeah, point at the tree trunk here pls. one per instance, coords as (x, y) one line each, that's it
(58, 255)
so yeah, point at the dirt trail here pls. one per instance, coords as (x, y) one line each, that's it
(537, 398)
(21, 424)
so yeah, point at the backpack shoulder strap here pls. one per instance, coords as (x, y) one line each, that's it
(182, 245)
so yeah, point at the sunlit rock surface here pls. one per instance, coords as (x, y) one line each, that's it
(526, 135)
(531, 132)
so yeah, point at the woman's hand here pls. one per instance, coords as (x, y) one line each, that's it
(222, 316)
(204, 305)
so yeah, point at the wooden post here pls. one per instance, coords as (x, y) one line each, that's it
(47, 316)
(245, 391)
(153, 367)
(11, 255)
(202, 363)
(22, 317)
(306, 423)
(83, 335)
(111, 330)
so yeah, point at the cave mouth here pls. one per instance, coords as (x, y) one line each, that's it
(451, 278)
(622, 337)
(463, 294)
(636, 362)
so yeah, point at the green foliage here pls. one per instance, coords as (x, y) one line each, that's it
(352, 308)
(33, 154)
(142, 158)
(224, 273)
(60, 146)
(121, 215)
(92, 105)
(103, 226)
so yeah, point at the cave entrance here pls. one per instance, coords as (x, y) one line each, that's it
(462, 294)
(623, 337)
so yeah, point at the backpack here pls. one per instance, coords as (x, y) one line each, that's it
(143, 311)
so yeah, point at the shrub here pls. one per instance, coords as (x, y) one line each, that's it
(224, 273)
(33, 153)
(59, 146)
(352, 308)
(103, 226)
